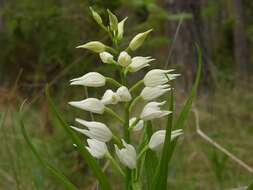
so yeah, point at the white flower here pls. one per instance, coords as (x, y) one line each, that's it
(90, 104)
(124, 59)
(106, 57)
(127, 155)
(92, 79)
(124, 94)
(157, 139)
(152, 111)
(96, 148)
(121, 28)
(157, 77)
(138, 40)
(96, 130)
(138, 126)
(110, 97)
(150, 93)
(139, 62)
(95, 46)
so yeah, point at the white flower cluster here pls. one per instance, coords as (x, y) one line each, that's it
(156, 83)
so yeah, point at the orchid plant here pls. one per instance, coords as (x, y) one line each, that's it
(141, 165)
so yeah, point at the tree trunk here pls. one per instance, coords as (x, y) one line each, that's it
(1, 17)
(241, 50)
(184, 51)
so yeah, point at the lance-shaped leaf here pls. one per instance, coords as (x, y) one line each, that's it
(187, 107)
(160, 181)
(151, 160)
(104, 184)
(161, 174)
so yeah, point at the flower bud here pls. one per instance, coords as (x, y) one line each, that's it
(138, 126)
(124, 59)
(124, 94)
(138, 40)
(106, 57)
(95, 46)
(121, 28)
(150, 93)
(90, 104)
(110, 97)
(113, 21)
(96, 16)
(138, 63)
(127, 155)
(91, 79)
(152, 110)
(157, 77)
(158, 138)
(97, 130)
(96, 148)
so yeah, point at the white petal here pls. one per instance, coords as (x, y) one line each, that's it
(96, 148)
(124, 94)
(124, 59)
(157, 139)
(110, 97)
(138, 63)
(97, 130)
(90, 104)
(156, 77)
(127, 155)
(150, 93)
(152, 111)
(92, 79)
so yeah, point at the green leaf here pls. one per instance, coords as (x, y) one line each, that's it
(92, 163)
(55, 172)
(160, 181)
(187, 107)
(151, 160)
(161, 173)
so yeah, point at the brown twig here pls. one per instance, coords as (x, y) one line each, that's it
(218, 146)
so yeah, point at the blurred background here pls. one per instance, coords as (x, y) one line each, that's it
(38, 40)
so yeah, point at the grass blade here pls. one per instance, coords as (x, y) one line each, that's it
(92, 163)
(56, 173)
(161, 176)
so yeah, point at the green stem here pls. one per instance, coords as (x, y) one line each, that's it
(127, 139)
(115, 164)
(133, 103)
(116, 140)
(142, 152)
(136, 85)
(126, 124)
(128, 49)
(111, 112)
(113, 82)
(133, 125)
(115, 52)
